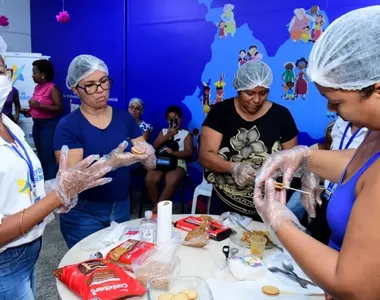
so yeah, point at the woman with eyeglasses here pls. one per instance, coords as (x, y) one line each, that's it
(96, 128)
(45, 107)
(136, 109)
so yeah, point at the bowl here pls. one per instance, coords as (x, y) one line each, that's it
(175, 284)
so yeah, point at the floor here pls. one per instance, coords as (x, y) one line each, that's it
(54, 248)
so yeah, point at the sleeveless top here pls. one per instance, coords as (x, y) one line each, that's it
(42, 94)
(341, 203)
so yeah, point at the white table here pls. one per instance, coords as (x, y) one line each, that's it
(194, 262)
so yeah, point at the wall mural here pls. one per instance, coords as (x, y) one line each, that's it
(233, 46)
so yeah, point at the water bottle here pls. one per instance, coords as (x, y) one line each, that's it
(148, 228)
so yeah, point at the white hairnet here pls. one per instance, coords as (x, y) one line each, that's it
(82, 66)
(347, 55)
(137, 101)
(253, 74)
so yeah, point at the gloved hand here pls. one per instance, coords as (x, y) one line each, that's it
(243, 173)
(69, 183)
(310, 184)
(270, 209)
(284, 163)
(148, 156)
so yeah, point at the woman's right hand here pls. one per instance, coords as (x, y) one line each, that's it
(283, 163)
(88, 173)
(172, 131)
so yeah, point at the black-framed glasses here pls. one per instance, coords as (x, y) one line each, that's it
(92, 88)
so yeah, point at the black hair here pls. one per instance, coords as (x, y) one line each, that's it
(367, 91)
(46, 67)
(175, 109)
(301, 60)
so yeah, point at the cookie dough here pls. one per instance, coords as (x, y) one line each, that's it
(191, 294)
(270, 290)
(167, 296)
(180, 296)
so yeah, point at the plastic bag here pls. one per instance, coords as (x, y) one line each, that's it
(106, 237)
(99, 279)
(159, 261)
(229, 219)
(199, 236)
(248, 268)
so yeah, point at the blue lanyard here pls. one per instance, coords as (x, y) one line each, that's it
(331, 184)
(26, 158)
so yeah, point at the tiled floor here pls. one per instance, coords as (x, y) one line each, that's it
(53, 249)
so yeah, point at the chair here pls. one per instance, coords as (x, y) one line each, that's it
(203, 189)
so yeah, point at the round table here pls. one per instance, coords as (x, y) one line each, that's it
(194, 261)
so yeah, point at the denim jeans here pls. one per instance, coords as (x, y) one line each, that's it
(88, 217)
(18, 271)
(43, 136)
(295, 205)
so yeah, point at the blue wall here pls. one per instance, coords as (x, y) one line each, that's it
(162, 51)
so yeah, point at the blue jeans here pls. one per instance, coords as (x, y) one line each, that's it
(43, 136)
(18, 271)
(295, 205)
(88, 217)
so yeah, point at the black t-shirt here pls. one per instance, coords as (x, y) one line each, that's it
(244, 141)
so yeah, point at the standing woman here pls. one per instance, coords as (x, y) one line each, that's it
(45, 106)
(26, 206)
(344, 64)
(97, 128)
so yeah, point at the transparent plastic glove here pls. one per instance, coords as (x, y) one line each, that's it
(244, 174)
(118, 158)
(88, 173)
(147, 156)
(284, 163)
(310, 184)
(270, 209)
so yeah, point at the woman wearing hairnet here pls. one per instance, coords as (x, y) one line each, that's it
(344, 64)
(27, 202)
(96, 128)
(237, 137)
(136, 109)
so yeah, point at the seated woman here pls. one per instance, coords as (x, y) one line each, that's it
(176, 145)
(96, 128)
(238, 135)
(136, 109)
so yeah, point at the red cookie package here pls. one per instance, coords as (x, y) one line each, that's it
(127, 252)
(99, 279)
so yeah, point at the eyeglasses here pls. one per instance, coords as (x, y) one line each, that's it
(92, 88)
(136, 108)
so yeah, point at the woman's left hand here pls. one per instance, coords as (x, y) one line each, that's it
(34, 103)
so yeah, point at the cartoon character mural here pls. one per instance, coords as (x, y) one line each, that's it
(301, 78)
(221, 25)
(242, 58)
(254, 54)
(229, 18)
(206, 97)
(298, 23)
(288, 78)
(317, 27)
(220, 88)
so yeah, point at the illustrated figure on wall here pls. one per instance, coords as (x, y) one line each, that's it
(306, 35)
(220, 88)
(300, 20)
(222, 25)
(287, 76)
(254, 54)
(317, 27)
(229, 18)
(289, 90)
(206, 97)
(301, 78)
(242, 58)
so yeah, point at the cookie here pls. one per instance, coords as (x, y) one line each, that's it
(270, 290)
(137, 151)
(191, 294)
(180, 296)
(166, 296)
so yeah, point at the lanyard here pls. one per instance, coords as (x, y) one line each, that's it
(26, 158)
(331, 184)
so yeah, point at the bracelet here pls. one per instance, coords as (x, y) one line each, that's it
(21, 221)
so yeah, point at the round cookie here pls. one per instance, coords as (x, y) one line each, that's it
(270, 290)
(180, 296)
(191, 294)
(136, 151)
(166, 296)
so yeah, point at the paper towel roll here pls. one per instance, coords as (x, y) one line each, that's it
(164, 221)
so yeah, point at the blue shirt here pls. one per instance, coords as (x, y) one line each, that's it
(75, 131)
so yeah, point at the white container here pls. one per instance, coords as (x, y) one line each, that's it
(148, 228)
(26, 125)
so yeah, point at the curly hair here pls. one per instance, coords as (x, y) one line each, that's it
(46, 67)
